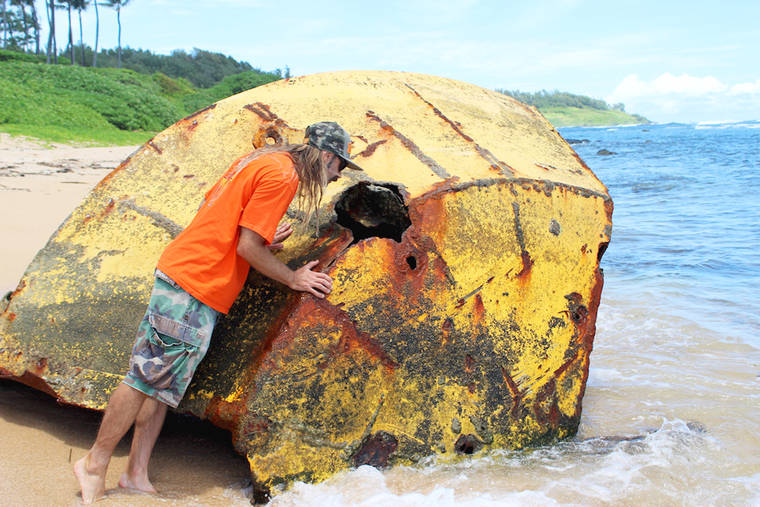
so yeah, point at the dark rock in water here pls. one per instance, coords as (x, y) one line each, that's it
(605, 152)
(577, 141)
(696, 427)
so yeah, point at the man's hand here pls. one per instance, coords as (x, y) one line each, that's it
(314, 282)
(253, 248)
(283, 232)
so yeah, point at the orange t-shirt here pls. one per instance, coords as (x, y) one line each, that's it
(203, 258)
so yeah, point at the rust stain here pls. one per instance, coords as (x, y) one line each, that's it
(370, 149)
(546, 167)
(559, 371)
(11, 317)
(40, 366)
(198, 112)
(264, 112)
(527, 264)
(31, 380)
(495, 164)
(446, 328)
(408, 283)
(224, 414)
(376, 450)
(156, 148)
(586, 330)
(441, 115)
(478, 310)
(550, 416)
(469, 362)
(269, 132)
(108, 208)
(409, 145)
(104, 182)
(351, 338)
(514, 391)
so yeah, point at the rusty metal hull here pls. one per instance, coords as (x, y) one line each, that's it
(466, 267)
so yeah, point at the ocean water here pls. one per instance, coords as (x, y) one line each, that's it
(671, 414)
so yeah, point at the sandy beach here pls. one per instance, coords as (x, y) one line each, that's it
(40, 184)
(194, 463)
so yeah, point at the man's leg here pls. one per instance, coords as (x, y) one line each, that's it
(148, 425)
(90, 471)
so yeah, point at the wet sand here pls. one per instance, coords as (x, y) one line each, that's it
(193, 463)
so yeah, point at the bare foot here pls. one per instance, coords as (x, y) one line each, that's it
(139, 483)
(93, 484)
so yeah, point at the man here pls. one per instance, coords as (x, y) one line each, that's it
(198, 276)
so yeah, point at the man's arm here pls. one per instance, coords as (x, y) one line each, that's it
(253, 248)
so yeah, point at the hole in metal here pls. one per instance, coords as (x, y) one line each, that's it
(373, 210)
(602, 248)
(467, 444)
(412, 262)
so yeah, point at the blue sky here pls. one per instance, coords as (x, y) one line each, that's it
(686, 61)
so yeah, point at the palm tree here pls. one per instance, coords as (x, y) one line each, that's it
(97, 31)
(117, 4)
(66, 4)
(52, 47)
(80, 5)
(5, 25)
(21, 4)
(36, 23)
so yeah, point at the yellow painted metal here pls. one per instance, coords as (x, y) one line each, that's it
(471, 332)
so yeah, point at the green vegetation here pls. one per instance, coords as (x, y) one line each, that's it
(565, 109)
(582, 117)
(114, 96)
(103, 105)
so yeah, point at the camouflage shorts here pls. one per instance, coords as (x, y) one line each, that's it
(171, 340)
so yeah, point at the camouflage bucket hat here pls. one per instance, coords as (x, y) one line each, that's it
(329, 136)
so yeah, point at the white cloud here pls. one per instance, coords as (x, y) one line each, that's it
(687, 98)
(745, 88)
(666, 84)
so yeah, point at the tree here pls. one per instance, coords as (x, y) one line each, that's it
(66, 4)
(117, 5)
(36, 26)
(97, 32)
(24, 20)
(6, 25)
(80, 5)
(52, 47)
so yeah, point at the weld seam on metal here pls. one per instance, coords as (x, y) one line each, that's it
(409, 145)
(159, 220)
(483, 152)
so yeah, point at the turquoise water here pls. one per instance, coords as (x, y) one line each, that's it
(671, 414)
